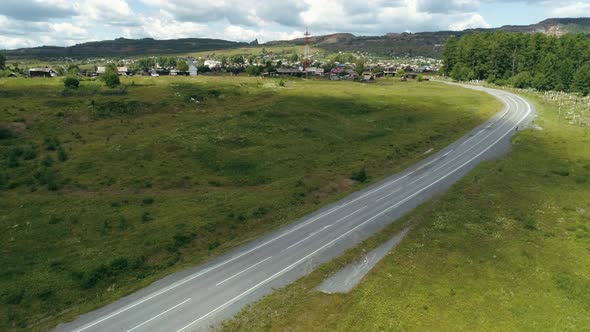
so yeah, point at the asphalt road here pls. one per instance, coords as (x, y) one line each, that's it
(197, 299)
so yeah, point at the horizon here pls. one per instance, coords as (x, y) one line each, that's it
(35, 23)
(279, 40)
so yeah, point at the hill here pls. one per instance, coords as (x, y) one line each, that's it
(394, 44)
(124, 47)
(430, 43)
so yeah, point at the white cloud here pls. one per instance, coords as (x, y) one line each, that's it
(25, 23)
(572, 9)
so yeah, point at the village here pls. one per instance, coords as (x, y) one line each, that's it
(338, 66)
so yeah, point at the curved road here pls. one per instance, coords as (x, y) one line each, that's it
(198, 298)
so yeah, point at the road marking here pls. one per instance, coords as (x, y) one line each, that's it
(286, 269)
(237, 274)
(393, 192)
(198, 274)
(151, 319)
(316, 232)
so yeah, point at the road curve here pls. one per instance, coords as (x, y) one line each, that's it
(198, 298)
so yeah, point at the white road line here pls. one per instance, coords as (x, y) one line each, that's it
(316, 232)
(393, 192)
(237, 274)
(151, 319)
(274, 276)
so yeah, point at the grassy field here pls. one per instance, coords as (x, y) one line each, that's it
(506, 249)
(104, 191)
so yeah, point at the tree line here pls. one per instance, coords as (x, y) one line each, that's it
(521, 60)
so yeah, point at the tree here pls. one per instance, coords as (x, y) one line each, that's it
(581, 81)
(111, 78)
(253, 70)
(359, 66)
(145, 64)
(237, 60)
(522, 80)
(400, 73)
(182, 66)
(71, 82)
(2, 61)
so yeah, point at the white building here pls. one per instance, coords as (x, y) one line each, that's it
(213, 64)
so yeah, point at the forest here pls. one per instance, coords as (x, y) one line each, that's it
(521, 60)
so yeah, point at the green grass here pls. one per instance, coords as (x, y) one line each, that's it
(105, 191)
(506, 249)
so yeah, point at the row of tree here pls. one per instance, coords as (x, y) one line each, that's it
(521, 60)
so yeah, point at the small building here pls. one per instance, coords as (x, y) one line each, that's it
(289, 72)
(317, 71)
(212, 64)
(101, 70)
(367, 76)
(12, 74)
(42, 72)
(123, 71)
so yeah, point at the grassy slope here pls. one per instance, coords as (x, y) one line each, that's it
(168, 182)
(507, 248)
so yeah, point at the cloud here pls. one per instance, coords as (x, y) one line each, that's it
(25, 23)
(572, 9)
(34, 10)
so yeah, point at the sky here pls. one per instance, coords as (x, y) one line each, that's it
(29, 23)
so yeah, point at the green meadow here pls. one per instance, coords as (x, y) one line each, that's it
(506, 249)
(103, 191)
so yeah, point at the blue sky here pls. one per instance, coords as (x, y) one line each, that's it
(27, 23)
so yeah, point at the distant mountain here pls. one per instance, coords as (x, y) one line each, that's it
(430, 43)
(121, 47)
(397, 44)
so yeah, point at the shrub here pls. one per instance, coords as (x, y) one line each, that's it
(71, 83)
(281, 83)
(420, 78)
(61, 154)
(111, 79)
(5, 133)
(214, 244)
(146, 217)
(360, 176)
(148, 201)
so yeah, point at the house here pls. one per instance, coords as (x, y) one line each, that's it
(123, 71)
(289, 71)
(212, 64)
(367, 76)
(314, 71)
(42, 72)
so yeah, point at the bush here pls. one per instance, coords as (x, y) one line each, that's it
(5, 133)
(522, 80)
(61, 154)
(360, 176)
(146, 217)
(111, 79)
(71, 83)
(420, 78)
(148, 201)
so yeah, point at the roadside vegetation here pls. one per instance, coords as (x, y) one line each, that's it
(507, 248)
(105, 190)
(521, 60)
